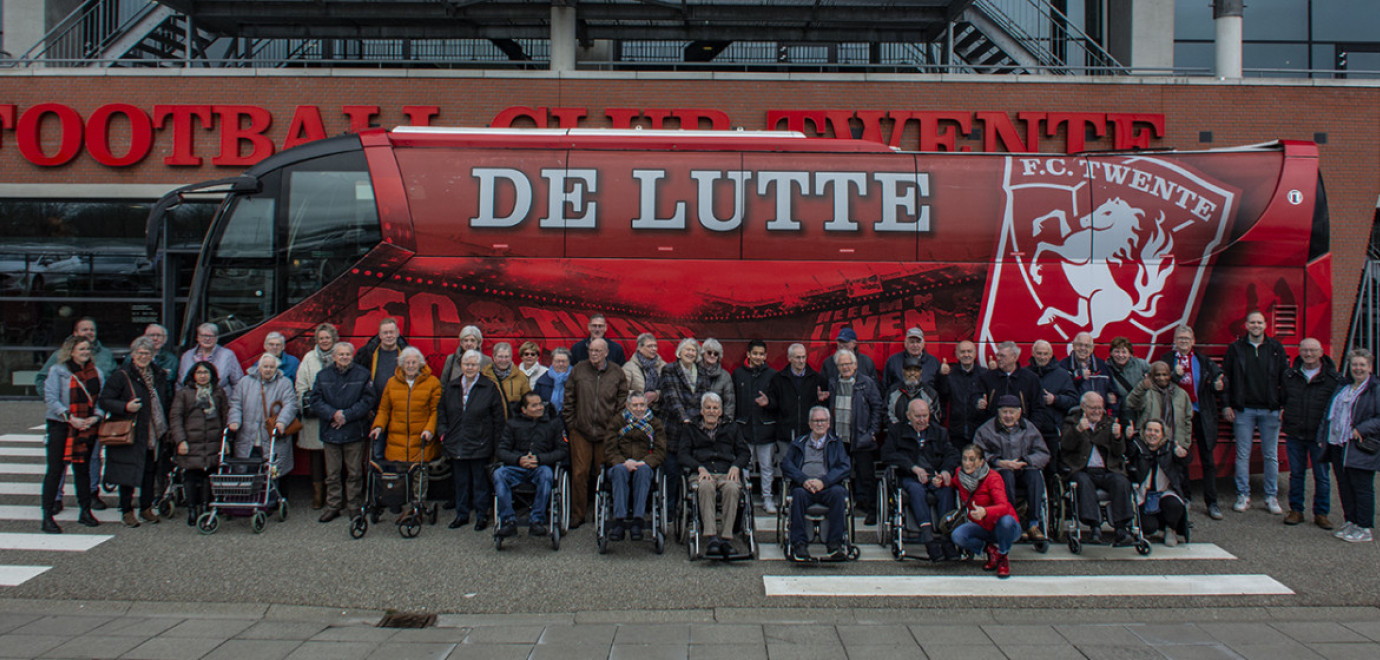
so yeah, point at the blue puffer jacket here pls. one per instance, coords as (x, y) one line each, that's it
(351, 392)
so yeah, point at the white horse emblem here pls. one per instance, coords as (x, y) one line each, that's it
(1109, 236)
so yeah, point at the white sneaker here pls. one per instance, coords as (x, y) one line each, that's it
(1170, 538)
(1272, 503)
(1358, 535)
(1342, 531)
(1243, 503)
(768, 504)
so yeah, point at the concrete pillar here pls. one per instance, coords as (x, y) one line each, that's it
(563, 41)
(24, 25)
(1227, 17)
(1140, 33)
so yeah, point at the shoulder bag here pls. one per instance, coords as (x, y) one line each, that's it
(118, 432)
(271, 417)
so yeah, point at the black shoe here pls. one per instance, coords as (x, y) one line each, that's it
(836, 554)
(1123, 538)
(870, 518)
(801, 554)
(448, 505)
(635, 529)
(616, 532)
(460, 521)
(191, 516)
(712, 545)
(506, 529)
(726, 547)
(57, 507)
(481, 524)
(50, 526)
(87, 519)
(97, 503)
(537, 528)
(935, 550)
(329, 515)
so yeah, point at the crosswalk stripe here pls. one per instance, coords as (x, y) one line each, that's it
(69, 514)
(13, 576)
(27, 452)
(1019, 586)
(23, 468)
(40, 427)
(58, 542)
(1097, 553)
(22, 438)
(31, 488)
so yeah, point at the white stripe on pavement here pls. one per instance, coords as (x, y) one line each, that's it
(31, 488)
(23, 468)
(1031, 586)
(22, 437)
(27, 452)
(69, 513)
(58, 542)
(1057, 552)
(13, 576)
(40, 427)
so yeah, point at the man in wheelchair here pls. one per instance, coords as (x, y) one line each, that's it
(1017, 451)
(714, 455)
(926, 459)
(636, 445)
(1093, 450)
(529, 451)
(816, 465)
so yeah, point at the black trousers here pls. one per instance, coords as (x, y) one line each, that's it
(473, 490)
(145, 485)
(1116, 485)
(1206, 442)
(197, 489)
(57, 465)
(1171, 516)
(865, 479)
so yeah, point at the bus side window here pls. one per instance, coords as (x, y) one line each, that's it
(242, 284)
(332, 221)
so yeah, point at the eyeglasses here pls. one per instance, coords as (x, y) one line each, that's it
(819, 421)
(529, 354)
(711, 353)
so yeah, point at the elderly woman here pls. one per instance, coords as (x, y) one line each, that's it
(74, 418)
(1126, 371)
(470, 420)
(719, 379)
(529, 361)
(512, 382)
(198, 418)
(406, 421)
(471, 339)
(264, 398)
(551, 386)
(636, 445)
(139, 392)
(715, 455)
(1350, 433)
(1159, 485)
(683, 382)
(276, 343)
(310, 438)
(644, 370)
(992, 525)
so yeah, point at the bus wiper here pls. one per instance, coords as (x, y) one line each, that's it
(154, 228)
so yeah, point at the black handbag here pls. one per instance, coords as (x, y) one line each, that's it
(1369, 444)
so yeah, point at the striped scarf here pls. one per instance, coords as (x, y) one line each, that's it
(82, 404)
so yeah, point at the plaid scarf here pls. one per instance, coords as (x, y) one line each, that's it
(85, 380)
(650, 373)
(643, 424)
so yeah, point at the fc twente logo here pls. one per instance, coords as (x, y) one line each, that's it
(1112, 246)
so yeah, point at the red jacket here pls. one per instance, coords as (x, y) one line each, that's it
(991, 495)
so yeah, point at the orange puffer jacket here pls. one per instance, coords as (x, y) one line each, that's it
(404, 412)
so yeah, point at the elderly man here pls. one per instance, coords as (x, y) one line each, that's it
(343, 398)
(598, 326)
(910, 387)
(1088, 371)
(208, 350)
(1009, 377)
(1093, 450)
(847, 340)
(912, 348)
(471, 339)
(470, 420)
(1156, 397)
(816, 466)
(1254, 368)
(512, 382)
(1307, 395)
(1057, 392)
(1017, 451)
(794, 390)
(275, 343)
(715, 455)
(644, 370)
(531, 448)
(380, 354)
(636, 445)
(594, 393)
(927, 460)
(960, 389)
(1200, 378)
(858, 414)
(162, 358)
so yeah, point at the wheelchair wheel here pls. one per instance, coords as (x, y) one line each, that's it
(603, 541)
(854, 552)
(259, 522)
(692, 547)
(208, 522)
(358, 526)
(555, 533)
(1041, 547)
(660, 540)
(1143, 546)
(167, 507)
(282, 510)
(1075, 545)
(410, 527)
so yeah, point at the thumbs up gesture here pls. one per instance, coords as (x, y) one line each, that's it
(982, 403)
(823, 395)
(1116, 429)
(944, 368)
(761, 399)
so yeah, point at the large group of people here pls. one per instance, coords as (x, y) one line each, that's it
(973, 437)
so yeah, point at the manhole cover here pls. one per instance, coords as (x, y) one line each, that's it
(407, 620)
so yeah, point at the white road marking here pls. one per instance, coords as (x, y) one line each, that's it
(27, 452)
(33, 438)
(23, 468)
(58, 542)
(69, 513)
(13, 576)
(31, 488)
(1029, 586)
(40, 427)
(1057, 552)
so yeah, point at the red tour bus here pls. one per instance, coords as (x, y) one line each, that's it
(770, 235)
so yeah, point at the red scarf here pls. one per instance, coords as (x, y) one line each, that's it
(82, 405)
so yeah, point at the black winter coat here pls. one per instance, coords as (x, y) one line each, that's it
(791, 405)
(1078, 445)
(1021, 383)
(1276, 362)
(1207, 390)
(124, 466)
(960, 392)
(725, 450)
(933, 452)
(1055, 380)
(756, 424)
(1306, 401)
(352, 392)
(470, 431)
(543, 438)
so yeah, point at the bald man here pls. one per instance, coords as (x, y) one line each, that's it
(1306, 394)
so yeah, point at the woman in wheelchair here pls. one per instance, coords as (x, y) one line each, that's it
(1158, 482)
(992, 526)
(632, 454)
(921, 451)
(714, 455)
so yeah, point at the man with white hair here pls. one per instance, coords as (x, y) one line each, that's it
(162, 358)
(1057, 393)
(1009, 377)
(471, 339)
(1088, 371)
(208, 349)
(276, 343)
(858, 414)
(343, 398)
(595, 395)
(1307, 395)
(1093, 454)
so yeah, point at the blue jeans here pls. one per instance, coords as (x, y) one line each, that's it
(972, 537)
(508, 476)
(919, 504)
(641, 485)
(1302, 452)
(1246, 423)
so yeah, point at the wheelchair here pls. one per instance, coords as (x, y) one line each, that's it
(1073, 525)
(689, 523)
(1023, 514)
(896, 525)
(524, 494)
(816, 516)
(657, 506)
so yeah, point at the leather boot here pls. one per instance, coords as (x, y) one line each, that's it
(87, 519)
(50, 526)
(318, 495)
(129, 519)
(149, 516)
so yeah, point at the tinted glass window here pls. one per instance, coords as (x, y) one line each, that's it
(332, 221)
